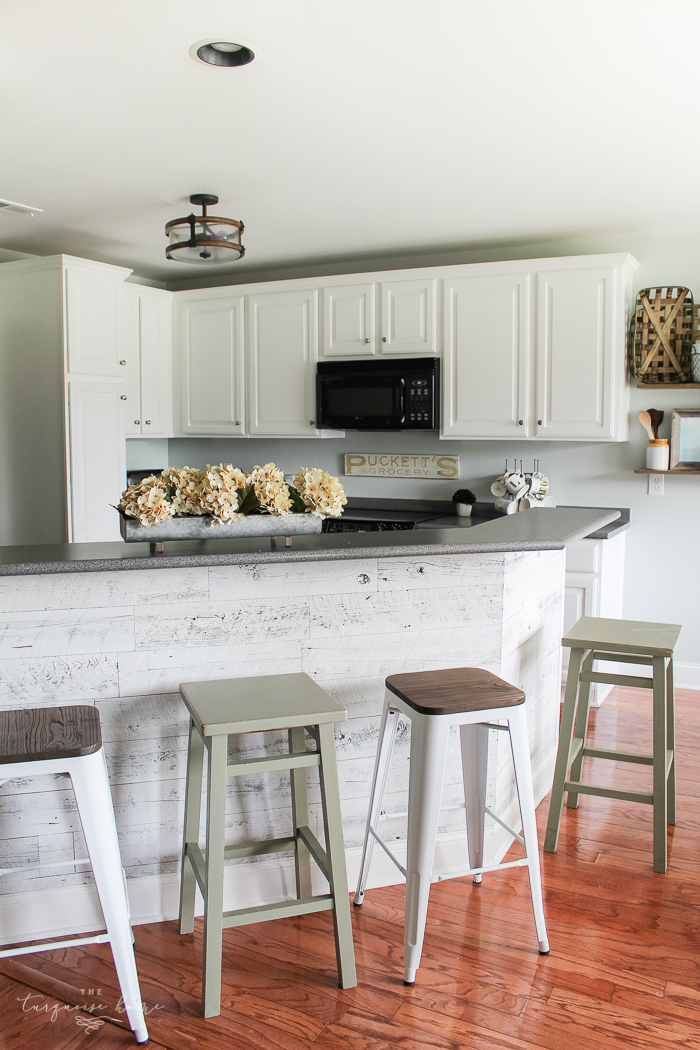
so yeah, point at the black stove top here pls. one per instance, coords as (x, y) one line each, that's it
(376, 521)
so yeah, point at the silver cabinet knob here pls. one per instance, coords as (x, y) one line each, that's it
(312, 422)
(367, 339)
(539, 422)
(238, 422)
(122, 362)
(520, 422)
(383, 338)
(123, 397)
(148, 422)
(137, 422)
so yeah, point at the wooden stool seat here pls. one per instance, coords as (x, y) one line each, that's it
(594, 640)
(434, 701)
(49, 732)
(454, 690)
(251, 705)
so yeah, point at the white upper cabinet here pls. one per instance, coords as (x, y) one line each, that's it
(576, 353)
(282, 347)
(93, 323)
(212, 363)
(408, 321)
(147, 352)
(485, 361)
(348, 320)
(96, 414)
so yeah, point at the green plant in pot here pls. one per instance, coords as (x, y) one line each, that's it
(464, 500)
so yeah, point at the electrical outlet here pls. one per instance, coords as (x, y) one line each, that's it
(655, 485)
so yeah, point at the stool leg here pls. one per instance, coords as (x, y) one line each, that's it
(429, 735)
(474, 741)
(300, 815)
(214, 877)
(517, 721)
(580, 730)
(338, 880)
(671, 742)
(562, 763)
(659, 763)
(193, 807)
(94, 800)
(385, 749)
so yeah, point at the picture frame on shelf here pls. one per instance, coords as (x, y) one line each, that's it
(685, 439)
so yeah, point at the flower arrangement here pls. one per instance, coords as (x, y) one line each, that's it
(225, 493)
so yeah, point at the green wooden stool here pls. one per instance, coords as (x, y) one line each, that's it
(619, 641)
(251, 705)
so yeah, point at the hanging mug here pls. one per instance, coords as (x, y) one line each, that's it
(498, 488)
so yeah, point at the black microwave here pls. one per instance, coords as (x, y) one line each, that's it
(401, 394)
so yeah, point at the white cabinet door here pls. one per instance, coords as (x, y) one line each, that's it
(96, 414)
(575, 366)
(485, 361)
(212, 363)
(93, 324)
(155, 340)
(348, 320)
(409, 317)
(130, 340)
(282, 341)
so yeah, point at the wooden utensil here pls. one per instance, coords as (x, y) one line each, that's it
(656, 418)
(645, 419)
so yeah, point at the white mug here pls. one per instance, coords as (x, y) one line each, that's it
(548, 501)
(539, 484)
(530, 503)
(506, 506)
(515, 483)
(498, 488)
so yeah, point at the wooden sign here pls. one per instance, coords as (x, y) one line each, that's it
(396, 465)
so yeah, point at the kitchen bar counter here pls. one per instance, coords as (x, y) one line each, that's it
(528, 531)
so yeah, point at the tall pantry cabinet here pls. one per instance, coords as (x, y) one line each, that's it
(71, 361)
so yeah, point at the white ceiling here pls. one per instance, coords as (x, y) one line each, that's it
(363, 126)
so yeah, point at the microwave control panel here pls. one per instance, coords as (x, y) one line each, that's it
(419, 401)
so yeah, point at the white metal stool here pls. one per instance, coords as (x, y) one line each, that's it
(35, 742)
(434, 701)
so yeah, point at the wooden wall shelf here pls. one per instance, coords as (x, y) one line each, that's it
(684, 470)
(668, 386)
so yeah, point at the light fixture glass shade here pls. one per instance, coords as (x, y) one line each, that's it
(204, 239)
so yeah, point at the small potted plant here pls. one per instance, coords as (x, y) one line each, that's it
(464, 500)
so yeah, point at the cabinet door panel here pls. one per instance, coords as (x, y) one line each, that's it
(156, 366)
(212, 335)
(485, 364)
(409, 317)
(93, 324)
(575, 372)
(97, 459)
(282, 352)
(348, 320)
(132, 356)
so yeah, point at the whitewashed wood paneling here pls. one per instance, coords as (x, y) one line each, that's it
(220, 623)
(396, 611)
(460, 570)
(52, 680)
(394, 652)
(65, 632)
(232, 582)
(102, 590)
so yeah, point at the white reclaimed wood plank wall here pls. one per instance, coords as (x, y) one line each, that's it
(125, 640)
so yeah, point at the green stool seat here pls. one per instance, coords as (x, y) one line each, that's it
(627, 642)
(250, 705)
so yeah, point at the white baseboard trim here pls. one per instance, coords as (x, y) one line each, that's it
(686, 676)
(67, 910)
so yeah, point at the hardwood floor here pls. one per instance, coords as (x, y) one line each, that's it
(624, 969)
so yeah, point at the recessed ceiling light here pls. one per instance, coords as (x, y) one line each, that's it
(222, 52)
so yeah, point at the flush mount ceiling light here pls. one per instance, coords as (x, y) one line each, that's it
(204, 238)
(222, 53)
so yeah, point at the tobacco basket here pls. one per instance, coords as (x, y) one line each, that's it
(664, 328)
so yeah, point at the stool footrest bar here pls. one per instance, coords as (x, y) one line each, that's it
(442, 875)
(623, 658)
(268, 765)
(618, 756)
(505, 826)
(630, 680)
(244, 916)
(49, 946)
(388, 852)
(607, 792)
(39, 867)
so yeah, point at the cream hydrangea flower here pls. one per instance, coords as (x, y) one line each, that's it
(221, 491)
(147, 501)
(322, 493)
(186, 483)
(271, 489)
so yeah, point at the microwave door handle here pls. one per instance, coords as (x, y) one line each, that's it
(402, 400)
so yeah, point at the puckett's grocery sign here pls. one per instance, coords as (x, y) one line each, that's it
(390, 465)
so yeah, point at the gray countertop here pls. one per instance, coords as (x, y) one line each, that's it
(530, 531)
